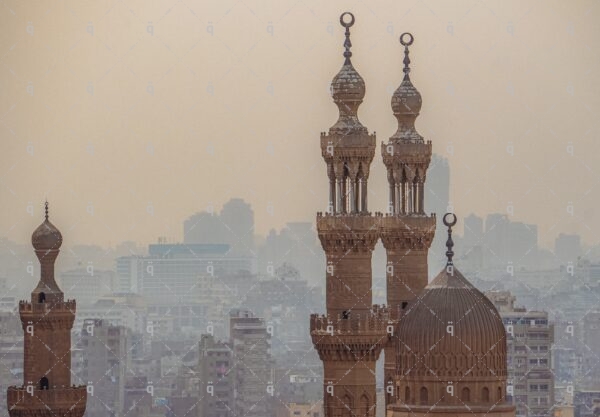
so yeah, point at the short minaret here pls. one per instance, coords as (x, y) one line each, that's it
(406, 231)
(350, 337)
(47, 321)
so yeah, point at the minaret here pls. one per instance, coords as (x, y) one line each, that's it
(47, 321)
(350, 337)
(406, 231)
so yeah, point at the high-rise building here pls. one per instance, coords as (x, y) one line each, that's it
(170, 274)
(217, 372)
(87, 285)
(250, 341)
(530, 342)
(496, 240)
(233, 226)
(47, 321)
(567, 248)
(522, 244)
(106, 359)
(471, 252)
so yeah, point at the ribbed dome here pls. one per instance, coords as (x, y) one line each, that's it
(46, 236)
(453, 329)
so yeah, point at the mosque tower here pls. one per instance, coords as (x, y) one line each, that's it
(406, 231)
(451, 350)
(47, 321)
(349, 339)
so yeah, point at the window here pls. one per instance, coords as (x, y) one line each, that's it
(485, 395)
(406, 395)
(364, 405)
(465, 395)
(423, 396)
(44, 383)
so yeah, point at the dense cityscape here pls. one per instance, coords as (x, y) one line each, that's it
(414, 311)
(161, 329)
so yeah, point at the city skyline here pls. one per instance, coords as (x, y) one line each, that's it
(217, 240)
(151, 131)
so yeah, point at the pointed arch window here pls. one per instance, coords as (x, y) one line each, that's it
(347, 406)
(44, 383)
(364, 406)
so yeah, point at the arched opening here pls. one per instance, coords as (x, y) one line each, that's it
(347, 406)
(44, 383)
(465, 395)
(406, 395)
(499, 393)
(42, 297)
(485, 395)
(423, 396)
(345, 315)
(364, 406)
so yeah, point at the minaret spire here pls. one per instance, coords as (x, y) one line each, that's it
(406, 44)
(449, 242)
(46, 209)
(347, 42)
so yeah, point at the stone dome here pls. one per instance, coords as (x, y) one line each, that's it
(348, 86)
(406, 100)
(46, 236)
(452, 329)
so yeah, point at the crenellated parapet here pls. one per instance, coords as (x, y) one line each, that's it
(44, 316)
(30, 401)
(407, 232)
(348, 233)
(354, 338)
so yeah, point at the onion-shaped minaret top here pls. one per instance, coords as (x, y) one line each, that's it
(347, 87)
(406, 100)
(46, 236)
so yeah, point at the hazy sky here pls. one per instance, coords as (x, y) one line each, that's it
(131, 115)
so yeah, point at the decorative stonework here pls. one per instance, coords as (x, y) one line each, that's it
(47, 321)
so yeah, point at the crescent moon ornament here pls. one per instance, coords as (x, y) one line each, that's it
(344, 23)
(451, 222)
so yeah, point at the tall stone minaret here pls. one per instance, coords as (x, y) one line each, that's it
(406, 231)
(47, 321)
(350, 337)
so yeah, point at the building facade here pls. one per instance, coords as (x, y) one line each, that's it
(530, 340)
(250, 342)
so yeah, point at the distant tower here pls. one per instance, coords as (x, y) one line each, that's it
(47, 321)
(406, 231)
(349, 338)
